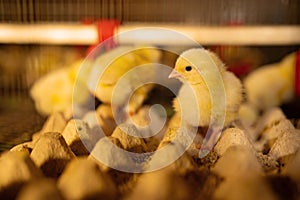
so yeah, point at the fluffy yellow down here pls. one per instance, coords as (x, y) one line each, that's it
(204, 61)
(54, 91)
(271, 85)
(110, 67)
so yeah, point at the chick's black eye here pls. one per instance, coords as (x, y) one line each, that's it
(188, 68)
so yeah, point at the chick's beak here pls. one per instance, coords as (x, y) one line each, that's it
(174, 74)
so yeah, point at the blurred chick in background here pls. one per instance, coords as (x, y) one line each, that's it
(187, 69)
(110, 67)
(54, 91)
(271, 85)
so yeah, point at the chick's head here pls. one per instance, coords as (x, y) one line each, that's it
(196, 66)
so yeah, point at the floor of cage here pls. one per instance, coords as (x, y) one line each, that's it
(18, 120)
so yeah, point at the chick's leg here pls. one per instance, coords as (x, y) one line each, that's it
(209, 141)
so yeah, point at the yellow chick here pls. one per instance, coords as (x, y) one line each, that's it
(113, 66)
(199, 69)
(54, 91)
(271, 85)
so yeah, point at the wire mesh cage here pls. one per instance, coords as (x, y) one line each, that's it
(217, 12)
